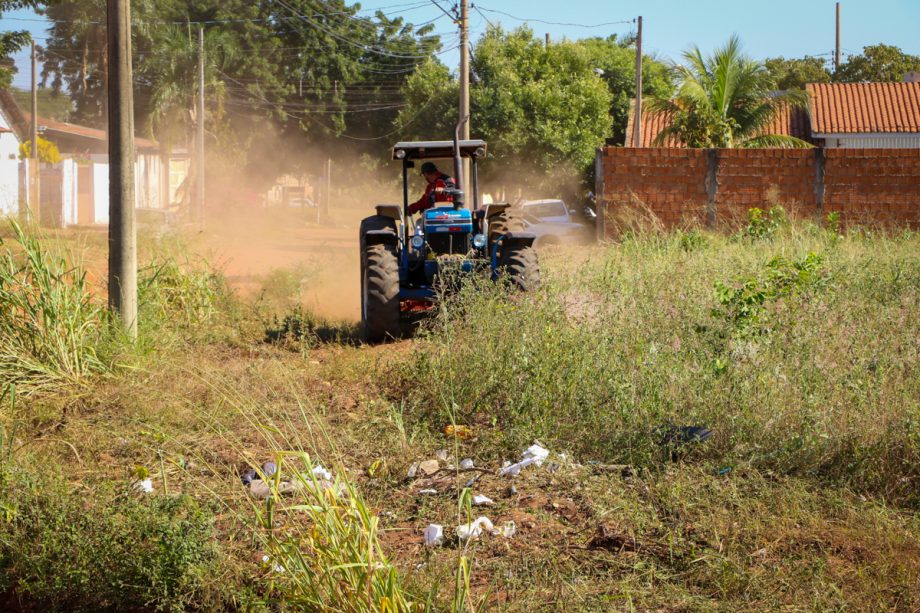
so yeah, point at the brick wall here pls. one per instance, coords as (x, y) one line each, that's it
(717, 187)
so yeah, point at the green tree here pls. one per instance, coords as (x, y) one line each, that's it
(292, 73)
(617, 59)
(725, 100)
(877, 63)
(11, 42)
(544, 111)
(796, 73)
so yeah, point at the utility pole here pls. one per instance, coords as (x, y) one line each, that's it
(328, 195)
(465, 86)
(637, 117)
(122, 232)
(837, 48)
(547, 40)
(34, 162)
(199, 137)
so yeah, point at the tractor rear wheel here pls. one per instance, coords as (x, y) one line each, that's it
(379, 282)
(521, 267)
(380, 293)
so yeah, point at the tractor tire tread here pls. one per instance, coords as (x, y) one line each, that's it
(381, 310)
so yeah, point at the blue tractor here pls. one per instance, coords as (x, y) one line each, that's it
(406, 262)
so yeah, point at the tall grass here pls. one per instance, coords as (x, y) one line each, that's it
(50, 324)
(334, 561)
(799, 348)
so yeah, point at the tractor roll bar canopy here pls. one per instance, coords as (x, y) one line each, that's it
(438, 149)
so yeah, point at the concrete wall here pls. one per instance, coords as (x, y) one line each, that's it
(717, 187)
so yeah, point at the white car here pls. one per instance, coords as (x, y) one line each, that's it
(553, 223)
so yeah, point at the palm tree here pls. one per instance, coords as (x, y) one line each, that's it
(725, 101)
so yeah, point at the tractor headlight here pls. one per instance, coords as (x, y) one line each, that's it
(418, 241)
(479, 241)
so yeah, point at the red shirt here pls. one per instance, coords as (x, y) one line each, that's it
(430, 196)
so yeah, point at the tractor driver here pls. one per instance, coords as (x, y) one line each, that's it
(434, 191)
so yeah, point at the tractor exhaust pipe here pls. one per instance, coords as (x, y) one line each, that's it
(458, 164)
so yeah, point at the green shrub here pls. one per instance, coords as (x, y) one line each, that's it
(69, 548)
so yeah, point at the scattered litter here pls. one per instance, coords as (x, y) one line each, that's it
(512, 491)
(248, 476)
(514, 470)
(261, 489)
(535, 454)
(725, 471)
(429, 467)
(482, 501)
(413, 470)
(441, 454)
(321, 473)
(275, 566)
(428, 491)
(474, 529)
(434, 535)
(467, 464)
(473, 481)
(269, 469)
(145, 485)
(461, 432)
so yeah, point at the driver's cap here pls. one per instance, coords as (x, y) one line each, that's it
(429, 167)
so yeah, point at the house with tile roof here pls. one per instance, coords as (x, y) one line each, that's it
(865, 115)
(851, 115)
(76, 190)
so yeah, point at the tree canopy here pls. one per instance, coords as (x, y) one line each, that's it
(297, 70)
(879, 63)
(796, 73)
(544, 110)
(12, 41)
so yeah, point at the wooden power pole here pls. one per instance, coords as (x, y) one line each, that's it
(122, 232)
(34, 161)
(637, 119)
(837, 47)
(465, 87)
(199, 136)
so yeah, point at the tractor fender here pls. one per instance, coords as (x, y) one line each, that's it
(381, 237)
(519, 240)
(507, 243)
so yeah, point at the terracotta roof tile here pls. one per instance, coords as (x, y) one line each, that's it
(854, 108)
(73, 129)
(788, 122)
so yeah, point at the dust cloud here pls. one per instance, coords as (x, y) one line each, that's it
(288, 242)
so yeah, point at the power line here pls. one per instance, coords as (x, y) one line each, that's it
(557, 23)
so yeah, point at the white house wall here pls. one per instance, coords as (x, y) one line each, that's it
(69, 191)
(871, 141)
(100, 189)
(9, 170)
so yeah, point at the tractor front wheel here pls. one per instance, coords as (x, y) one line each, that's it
(521, 267)
(380, 293)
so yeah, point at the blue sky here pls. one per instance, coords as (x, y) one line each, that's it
(790, 28)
